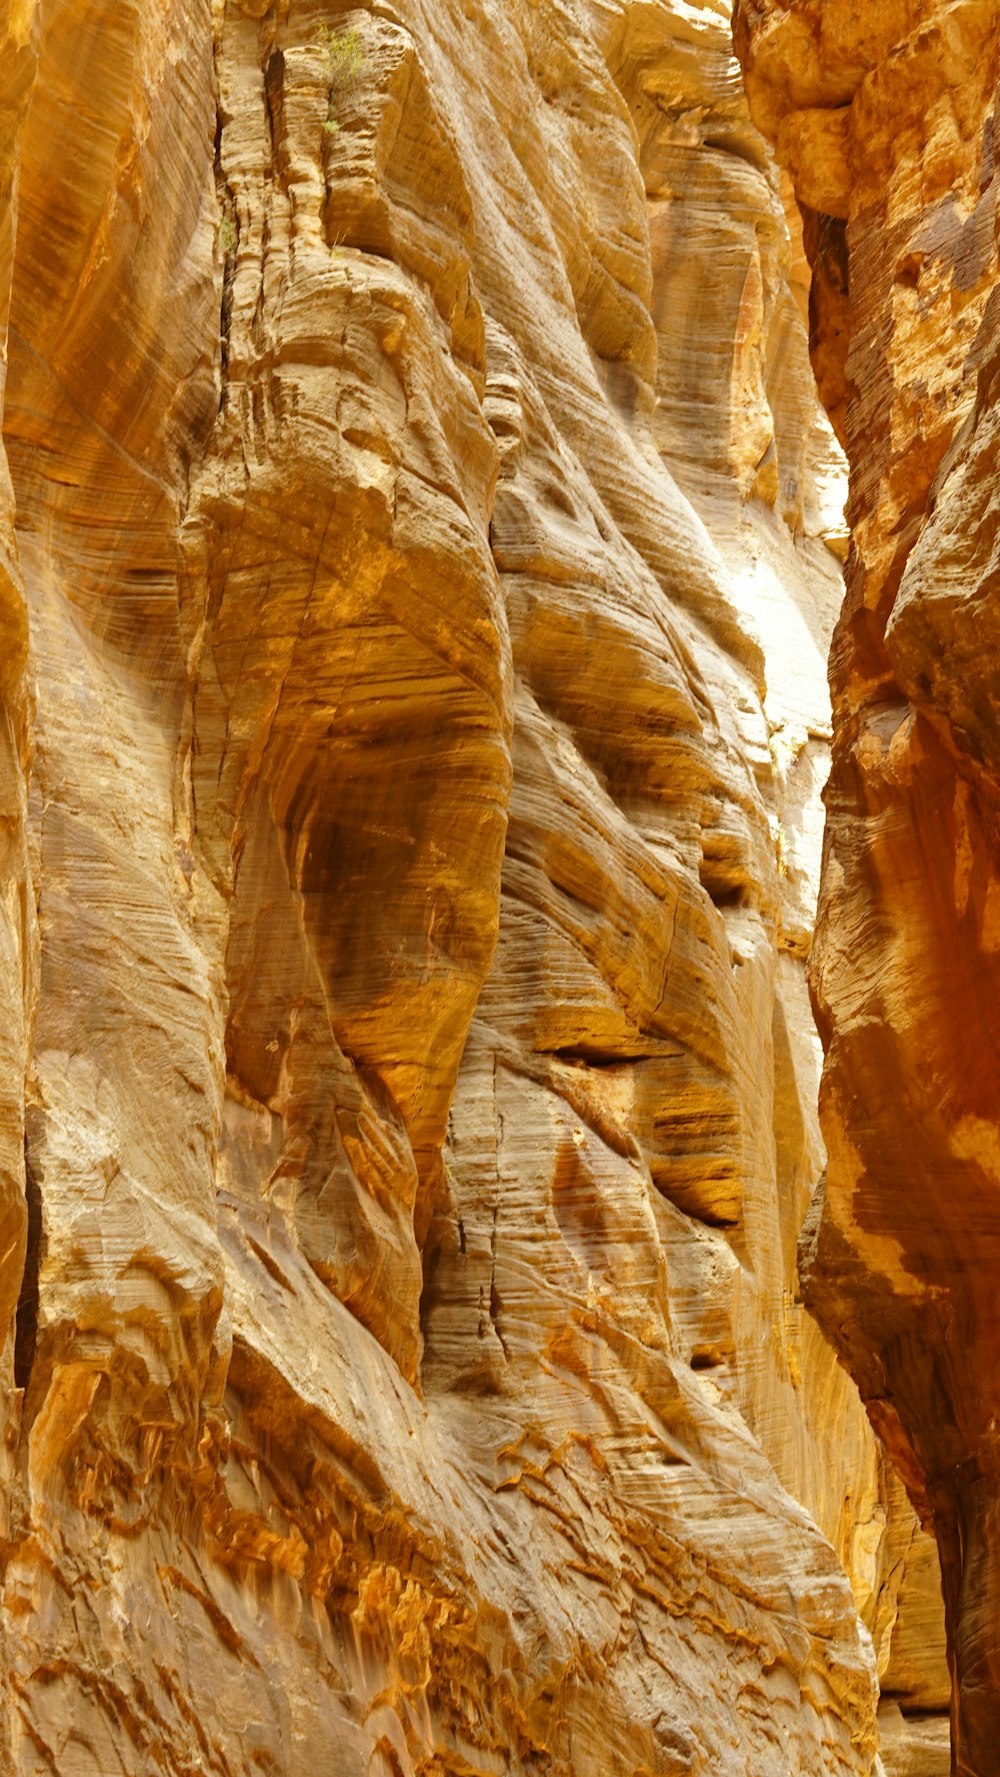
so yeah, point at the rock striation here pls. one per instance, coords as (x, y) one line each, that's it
(886, 121)
(420, 543)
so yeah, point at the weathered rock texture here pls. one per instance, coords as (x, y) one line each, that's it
(886, 119)
(419, 555)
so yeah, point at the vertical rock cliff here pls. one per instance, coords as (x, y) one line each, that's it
(420, 543)
(887, 121)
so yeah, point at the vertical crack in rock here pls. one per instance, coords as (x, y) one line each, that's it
(229, 240)
(274, 98)
(26, 1319)
(495, 1309)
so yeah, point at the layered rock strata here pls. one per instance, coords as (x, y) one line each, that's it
(420, 549)
(886, 120)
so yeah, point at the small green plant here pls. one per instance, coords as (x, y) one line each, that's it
(344, 54)
(227, 234)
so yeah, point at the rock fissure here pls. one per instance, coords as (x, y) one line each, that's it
(26, 1318)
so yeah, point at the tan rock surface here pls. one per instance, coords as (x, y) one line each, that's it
(902, 1259)
(430, 545)
(913, 1746)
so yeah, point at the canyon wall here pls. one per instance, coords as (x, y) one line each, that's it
(420, 543)
(886, 122)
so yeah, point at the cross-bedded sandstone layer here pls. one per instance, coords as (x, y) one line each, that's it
(886, 119)
(419, 556)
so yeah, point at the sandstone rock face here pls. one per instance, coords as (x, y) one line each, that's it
(418, 559)
(886, 119)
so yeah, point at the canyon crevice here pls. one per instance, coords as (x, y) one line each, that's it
(886, 124)
(422, 543)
